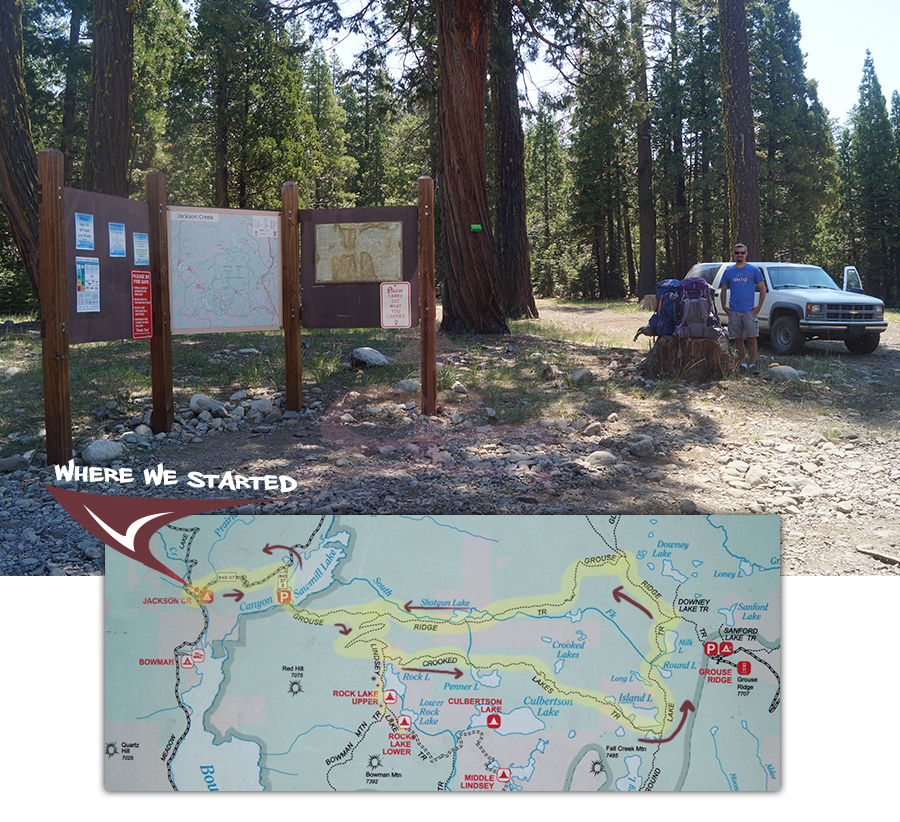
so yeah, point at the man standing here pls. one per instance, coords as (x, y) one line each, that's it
(743, 315)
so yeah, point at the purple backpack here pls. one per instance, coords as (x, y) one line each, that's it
(698, 316)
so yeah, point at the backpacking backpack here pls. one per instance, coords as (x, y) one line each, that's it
(698, 316)
(668, 307)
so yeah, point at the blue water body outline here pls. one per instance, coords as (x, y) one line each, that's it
(309, 731)
(712, 733)
(439, 524)
(538, 748)
(736, 556)
(758, 758)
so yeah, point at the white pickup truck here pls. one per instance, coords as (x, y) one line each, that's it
(803, 303)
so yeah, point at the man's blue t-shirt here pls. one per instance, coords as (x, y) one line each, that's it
(742, 284)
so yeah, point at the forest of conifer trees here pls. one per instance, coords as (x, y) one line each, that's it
(623, 161)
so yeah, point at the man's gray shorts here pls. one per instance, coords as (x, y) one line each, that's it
(742, 325)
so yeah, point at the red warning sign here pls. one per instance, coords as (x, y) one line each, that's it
(141, 317)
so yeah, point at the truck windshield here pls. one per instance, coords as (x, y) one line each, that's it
(800, 276)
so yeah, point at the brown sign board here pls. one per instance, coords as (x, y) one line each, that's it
(345, 256)
(107, 238)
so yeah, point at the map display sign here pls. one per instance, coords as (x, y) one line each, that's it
(225, 270)
(457, 653)
(359, 252)
(347, 254)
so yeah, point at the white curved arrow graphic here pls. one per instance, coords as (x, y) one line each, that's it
(127, 539)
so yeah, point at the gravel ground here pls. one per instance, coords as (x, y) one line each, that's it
(719, 448)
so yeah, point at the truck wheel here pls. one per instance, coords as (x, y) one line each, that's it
(863, 344)
(786, 336)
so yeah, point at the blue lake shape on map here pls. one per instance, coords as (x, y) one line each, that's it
(490, 679)
(670, 571)
(200, 744)
(728, 613)
(517, 721)
(632, 781)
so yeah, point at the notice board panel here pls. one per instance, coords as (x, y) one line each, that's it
(225, 266)
(345, 256)
(106, 240)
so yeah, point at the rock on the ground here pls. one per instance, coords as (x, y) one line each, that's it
(100, 451)
(368, 357)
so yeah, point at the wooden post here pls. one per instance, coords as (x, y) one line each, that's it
(290, 295)
(161, 342)
(54, 307)
(427, 309)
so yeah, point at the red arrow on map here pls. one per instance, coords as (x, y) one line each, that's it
(410, 607)
(238, 595)
(455, 673)
(270, 549)
(344, 629)
(685, 709)
(618, 595)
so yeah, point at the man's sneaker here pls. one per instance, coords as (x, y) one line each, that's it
(743, 368)
(751, 370)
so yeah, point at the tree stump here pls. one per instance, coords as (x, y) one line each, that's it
(693, 360)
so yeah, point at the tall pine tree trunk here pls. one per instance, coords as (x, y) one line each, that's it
(108, 151)
(471, 301)
(646, 208)
(740, 136)
(680, 221)
(18, 162)
(222, 131)
(511, 227)
(70, 97)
